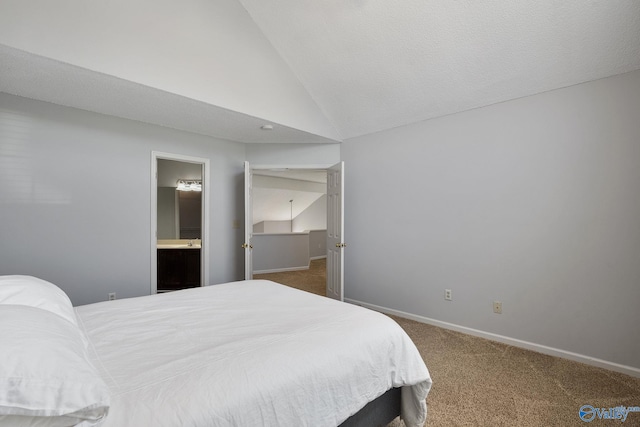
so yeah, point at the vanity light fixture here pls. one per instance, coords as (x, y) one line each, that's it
(266, 127)
(189, 185)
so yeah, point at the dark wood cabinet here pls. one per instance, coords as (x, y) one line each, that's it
(178, 269)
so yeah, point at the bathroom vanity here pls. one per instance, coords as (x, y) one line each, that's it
(178, 264)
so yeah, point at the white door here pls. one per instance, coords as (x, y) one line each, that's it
(335, 226)
(248, 223)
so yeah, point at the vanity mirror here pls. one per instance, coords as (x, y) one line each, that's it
(179, 200)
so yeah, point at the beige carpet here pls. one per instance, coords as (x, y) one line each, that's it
(312, 280)
(478, 382)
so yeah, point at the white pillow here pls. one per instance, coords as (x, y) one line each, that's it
(34, 292)
(46, 378)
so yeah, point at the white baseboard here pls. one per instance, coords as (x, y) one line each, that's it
(280, 270)
(628, 370)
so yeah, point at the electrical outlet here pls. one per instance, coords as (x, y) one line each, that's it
(112, 296)
(447, 295)
(497, 307)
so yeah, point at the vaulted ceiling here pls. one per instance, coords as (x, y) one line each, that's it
(281, 195)
(318, 71)
(378, 64)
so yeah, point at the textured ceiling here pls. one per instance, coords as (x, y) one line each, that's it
(273, 191)
(369, 65)
(378, 64)
(45, 79)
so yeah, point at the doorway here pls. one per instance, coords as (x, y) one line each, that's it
(179, 221)
(330, 180)
(290, 227)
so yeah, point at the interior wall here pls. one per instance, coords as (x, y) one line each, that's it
(293, 155)
(170, 171)
(314, 217)
(317, 244)
(167, 220)
(275, 227)
(76, 195)
(533, 202)
(280, 252)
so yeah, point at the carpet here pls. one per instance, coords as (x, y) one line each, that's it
(478, 382)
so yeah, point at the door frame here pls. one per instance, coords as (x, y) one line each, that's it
(325, 166)
(204, 249)
(248, 221)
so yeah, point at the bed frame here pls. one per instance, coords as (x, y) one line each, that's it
(377, 413)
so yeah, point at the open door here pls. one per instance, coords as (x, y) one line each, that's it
(335, 226)
(248, 223)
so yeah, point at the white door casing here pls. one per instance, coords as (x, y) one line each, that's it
(248, 222)
(335, 228)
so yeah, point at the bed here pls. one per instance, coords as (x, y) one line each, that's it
(249, 353)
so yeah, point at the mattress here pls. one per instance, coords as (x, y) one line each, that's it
(250, 353)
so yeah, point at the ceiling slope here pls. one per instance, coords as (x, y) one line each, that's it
(197, 65)
(320, 71)
(36, 77)
(378, 64)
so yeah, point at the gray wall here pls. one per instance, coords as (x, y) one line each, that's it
(317, 244)
(167, 221)
(75, 198)
(314, 217)
(293, 154)
(534, 202)
(272, 227)
(280, 252)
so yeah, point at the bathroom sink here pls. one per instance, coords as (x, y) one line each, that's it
(178, 244)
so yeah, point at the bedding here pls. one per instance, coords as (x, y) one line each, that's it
(46, 378)
(34, 292)
(250, 353)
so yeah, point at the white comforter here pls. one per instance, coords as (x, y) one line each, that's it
(252, 353)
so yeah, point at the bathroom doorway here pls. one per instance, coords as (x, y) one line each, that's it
(179, 222)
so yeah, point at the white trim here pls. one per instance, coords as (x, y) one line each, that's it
(204, 249)
(290, 166)
(313, 258)
(248, 221)
(628, 370)
(284, 233)
(281, 270)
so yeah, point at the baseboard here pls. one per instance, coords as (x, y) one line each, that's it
(281, 270)
(628, 370)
